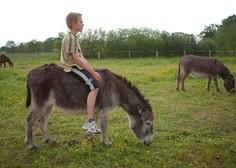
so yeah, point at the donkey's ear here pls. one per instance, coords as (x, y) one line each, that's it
(139, 108)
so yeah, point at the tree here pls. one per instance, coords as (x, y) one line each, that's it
(48, 45)
(57, 41)
(209, 31)
(34, 46)
(92, 41)
(178, 42)
(208, 44)
(227, 33)
(21, 47)
(10, 46)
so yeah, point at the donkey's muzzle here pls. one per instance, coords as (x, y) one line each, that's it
(147, 142)
(232, 90)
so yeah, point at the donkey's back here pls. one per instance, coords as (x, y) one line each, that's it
(198, 66)
(49, 85)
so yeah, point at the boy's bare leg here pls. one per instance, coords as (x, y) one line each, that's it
(91, 125)
(91, 100)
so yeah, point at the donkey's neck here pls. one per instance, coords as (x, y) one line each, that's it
(224, 72)
(130, 96)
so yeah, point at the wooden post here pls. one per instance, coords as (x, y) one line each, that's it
(99, 55)
(129, 55)
(184, 52)
(209, 53)
(156, 53)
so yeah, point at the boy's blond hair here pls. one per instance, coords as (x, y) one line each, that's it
(72, 17)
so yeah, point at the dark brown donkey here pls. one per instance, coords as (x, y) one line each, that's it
(4, 59)
(50, 86)
(207, 67)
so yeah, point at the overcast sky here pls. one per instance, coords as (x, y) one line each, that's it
(25, 20)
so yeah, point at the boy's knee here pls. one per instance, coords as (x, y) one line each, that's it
(95, 91)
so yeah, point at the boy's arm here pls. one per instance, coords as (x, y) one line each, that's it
(86, 66)
(87, 62)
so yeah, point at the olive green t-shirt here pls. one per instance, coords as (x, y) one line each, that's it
(70, 44)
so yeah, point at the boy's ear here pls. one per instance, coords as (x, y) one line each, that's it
(73, 23)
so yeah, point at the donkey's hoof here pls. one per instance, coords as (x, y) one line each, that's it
(106, 142)
(50, 141)
(32, 147)
(90, 135)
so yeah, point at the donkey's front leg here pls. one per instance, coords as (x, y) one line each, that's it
(103, 123)
(208, 83)
(216, 83)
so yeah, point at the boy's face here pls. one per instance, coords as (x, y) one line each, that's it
(78, 26)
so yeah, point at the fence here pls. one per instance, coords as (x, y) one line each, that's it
(135, 54)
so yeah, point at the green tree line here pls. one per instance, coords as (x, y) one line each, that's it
(219, 39)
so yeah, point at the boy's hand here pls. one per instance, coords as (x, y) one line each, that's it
(97, 77)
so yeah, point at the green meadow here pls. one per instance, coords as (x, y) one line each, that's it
(195, 128)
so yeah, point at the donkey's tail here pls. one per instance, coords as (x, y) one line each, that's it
(28, 99)
(178, 75)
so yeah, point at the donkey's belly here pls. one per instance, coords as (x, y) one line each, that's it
(73, 111)
(199, 74)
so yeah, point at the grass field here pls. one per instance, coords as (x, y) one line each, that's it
(196, 128)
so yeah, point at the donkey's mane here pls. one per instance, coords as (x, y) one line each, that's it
(136, 91)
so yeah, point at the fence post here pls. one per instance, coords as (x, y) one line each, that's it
(184, 52)
(156, 53)
(129, 55)
(209, 53)
(99, 55)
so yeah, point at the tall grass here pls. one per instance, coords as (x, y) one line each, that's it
(196, 128)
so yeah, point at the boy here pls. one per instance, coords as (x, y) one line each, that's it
(74, 62)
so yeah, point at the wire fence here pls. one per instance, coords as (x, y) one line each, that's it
(137, 54)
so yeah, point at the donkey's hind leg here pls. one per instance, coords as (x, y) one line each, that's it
(177, 83)
(178, 79)
(31, 119)
(182, 75)
(43, 126)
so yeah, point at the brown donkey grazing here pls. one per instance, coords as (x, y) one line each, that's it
(4, 59)
(207, 67)
(50, 86)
